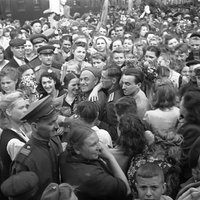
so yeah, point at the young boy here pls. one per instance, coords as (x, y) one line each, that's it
(150, 182)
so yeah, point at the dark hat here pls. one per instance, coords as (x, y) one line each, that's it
(197, 71)
(193, 62)
(68, 77)
(46, 49)
(194, 153)
(40, 109)
(195, 35)
(17, 42)
(35, 21)
(96, 72)
(23, 68)
(23, 185)
(38, 38)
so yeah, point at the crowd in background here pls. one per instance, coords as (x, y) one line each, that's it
(127, 91)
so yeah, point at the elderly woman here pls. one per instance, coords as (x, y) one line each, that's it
(83, 164)
(14, 136)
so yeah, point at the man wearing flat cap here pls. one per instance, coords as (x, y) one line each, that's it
(38, 40)
(17, 48)
(40, 154)
(46, 57)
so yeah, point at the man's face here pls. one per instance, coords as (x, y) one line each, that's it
(18, 52)
(66, 46)
(191, 70)
(46, 58)
(87, 81)
(195, 45)
(150, 188)
(180, 56)
(106, 80)
(28, 47)
(8, 85)
(118, 59)
(144, 30)
(36, 28)
(129, 86)
(119, 31)
(98, 63)
(38, 45)
(47, 127)
(150, 56)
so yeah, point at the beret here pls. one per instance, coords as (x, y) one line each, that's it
(193, 62)
(17, 42)
(35, 21)
(22, 185)
(96, 72)
(194, 153)
(46, 49)
(40, 109)
(38, 38)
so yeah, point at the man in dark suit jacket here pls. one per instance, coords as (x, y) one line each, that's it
(17, 47)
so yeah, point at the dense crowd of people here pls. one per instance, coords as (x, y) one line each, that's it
(95, 111)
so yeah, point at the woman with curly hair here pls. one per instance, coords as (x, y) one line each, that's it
(132, 139)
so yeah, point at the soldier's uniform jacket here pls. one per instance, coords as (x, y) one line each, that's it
(40, 157)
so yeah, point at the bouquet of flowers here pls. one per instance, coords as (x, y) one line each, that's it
(150, 71)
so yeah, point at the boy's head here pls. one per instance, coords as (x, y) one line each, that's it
(150, 182)
(98, 60)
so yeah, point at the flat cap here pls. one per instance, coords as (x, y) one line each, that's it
(42, 108)
(193, 62)
(35, 21)
(38, 38)
(96, 72)
(23, 185)
(17, 42)
(46, 49)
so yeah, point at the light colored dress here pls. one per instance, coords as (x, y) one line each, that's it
(162, 121)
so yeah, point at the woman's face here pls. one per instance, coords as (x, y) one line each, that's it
(128, 44)
(100, 45)
(73, 86)
(28, 47)
(8, 85)
(113, 34)
(117, 44)
(79, 54)
(18, 110)
(172, 44)
(48, 84)
(1, 55)
(66, 46)
(29, 73)
(91, 148)
(143, 31)
(185, 71)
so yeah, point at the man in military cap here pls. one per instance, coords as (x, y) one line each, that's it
(40, 154)
(17, 48)
(38, 40)
(46, 57)
(36, 26)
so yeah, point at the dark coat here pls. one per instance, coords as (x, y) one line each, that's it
(94, 180)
